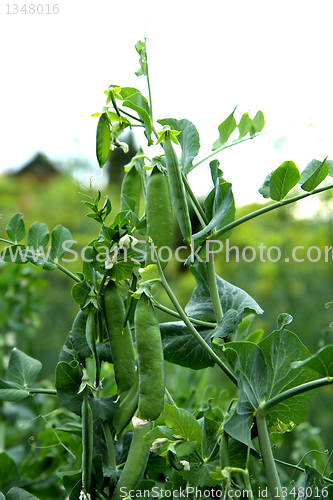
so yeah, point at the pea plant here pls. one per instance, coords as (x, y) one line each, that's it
(122, 433)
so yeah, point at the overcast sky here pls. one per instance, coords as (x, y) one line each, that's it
(204, 58)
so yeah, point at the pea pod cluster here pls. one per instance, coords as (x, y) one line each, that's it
(120, 338)
(159, 212)
(150, 360)
(178, 193)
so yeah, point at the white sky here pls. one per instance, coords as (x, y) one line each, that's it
(204, 58)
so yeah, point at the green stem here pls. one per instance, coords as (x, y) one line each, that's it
(226, 147)
(195, 202)
(264, 210)
(189, 325)
(170, 397)
(7, 241)
(214, 293)
(295, 391)
(297, 467)
(110, 445)
(148, 83)
(42, 391)
(66, 271)
(176, 315)
(131, 116)
(268, 457)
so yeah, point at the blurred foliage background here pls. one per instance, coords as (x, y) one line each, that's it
(36, 308)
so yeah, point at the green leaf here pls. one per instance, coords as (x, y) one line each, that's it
(103, 140)
(265, 189)
(189, 141)
(283, 320)
(38, 235)
(182, 423)
(80, 292)
(313, 174)
(321, 361)
(140, 47)
(200, 305)
(19, 494)
(67, 384)
(215, 172)
(8, 469)
(2, 496)
(22, 369)
(209, 429)
(181, 348)
(15, 228)
(11, 392)
(222, 210)
(258, 122)
(134, 99)
(61, 239)
(283, 179)
(249, 365)
(226, 128)
(200, 474)
(313, 482)
(280, 349)
(244, 125)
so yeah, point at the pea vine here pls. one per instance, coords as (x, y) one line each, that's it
(111, 378)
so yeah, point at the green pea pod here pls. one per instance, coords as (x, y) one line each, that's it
(91, 340)
(120, 338)
(159, 213)
(178, 193)
(135, 465)
(87, 442)
(131, 186)
(127, 408)
(150, 358)
(103, 140)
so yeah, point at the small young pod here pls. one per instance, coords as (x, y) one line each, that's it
(150, 360)
(120, 338)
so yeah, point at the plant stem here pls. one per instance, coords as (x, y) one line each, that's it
(7, 241)
(214, 293)
(110, 445)
(297, 467)
(176, 315)
(264, 210)
(268, 457)
(226, 147)
(51, 392)
(295, 391)
(66, 271)
(131, 116)
(188, 323)
(195, 202)
(170, 397)
(148, 83)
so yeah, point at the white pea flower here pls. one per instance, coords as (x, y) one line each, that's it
(124, 146)
(84, 496)
(127, 241)
(157, 444)
(138, 423)
(185, 464)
